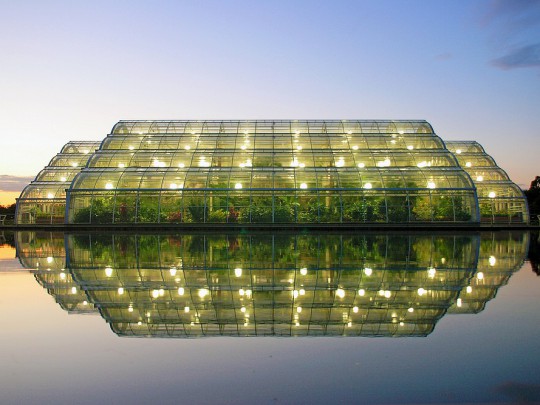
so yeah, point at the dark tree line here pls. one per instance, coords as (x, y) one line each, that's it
(533, 197)
(7, 209)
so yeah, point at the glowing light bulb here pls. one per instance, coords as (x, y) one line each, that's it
(130, 309)
(340, 162)
(340, 293)
(120, 291)
(108, 271)
(410, 147)
(186, 309)
(492, 194)
(458, 151)
(422, 164)
(368, 186)
(468, 289)
(238, 272)
(480, 275)
(238, 186)
(479, 178)
(299, 309)
(203, 292)
(459, 302)
(303, 186)
(109, 186)
(63, 179)
(187, 147)
(172, 271)
(468, 164)
(155, 293)
(181, 165)
(355, 147)
(173, 186)
(361, 165)
(295, 293)
(361, 292)
(49, 259)
(431, 185)
(368, 271)
(421, 291)
(121, 165)
(62, 276)
(387, 294)
(50, 195)
(74, 164)
(303, 271)
(355, 310)
(181, 291)
(492, 261)
(411, 309)
(431, 272)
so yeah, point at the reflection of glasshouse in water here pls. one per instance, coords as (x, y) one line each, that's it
(279, 172)
(281, 284)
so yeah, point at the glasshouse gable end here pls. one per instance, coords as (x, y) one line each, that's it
(272, 172)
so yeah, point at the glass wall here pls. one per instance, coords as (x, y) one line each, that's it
(272, 172)
(500, 200)
(44, 200)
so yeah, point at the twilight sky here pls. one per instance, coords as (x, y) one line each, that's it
(70, 70)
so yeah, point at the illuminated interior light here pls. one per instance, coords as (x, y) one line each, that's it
(108, 271)
(248, 163)
(243, 147)
(181, 165)
(131, 147)
(155, 293)
(361, 292)
(248, 293)
(355, 310)
(479, 178)
(340, 162)
(241, 292)
(181, 291)
(299, 309)
(402, 324)
(368, 186)
(340, 293)
(173, 186)
(109, 186)
(120, 291)
(299, 147)
(85, 151)
(302, 291)
(355, 147)
(74, 290)
(492, 194)
(431, 185)
(294, 163)
(458, 151)
(62, 276)
(303, 186)
(139, 323)
(302, 165)
(49, 259)
(468, 164)
(349, 132)
(361, 165)
(238, 186)
(63, 179)
(468, 289)
(186, 309)
(130, 309)
(492, 261)
(187, 147)
(242, 165)
(443, 260)
(431, 272)
(295, 293)
(387, 294)
(349, 324)
(480, 275)
(203, 292)
(368, 271)
(85, 302)
(411, 309)
(459, 302)
(421, 291)
(172, 271)
(238, 272)
(50, 195)
(303, 271)
(410, 147)
(401, 132)
(74, 164)
(393, 141)
(121, 165)
(422, 164)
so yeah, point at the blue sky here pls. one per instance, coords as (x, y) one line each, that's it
(70, 70)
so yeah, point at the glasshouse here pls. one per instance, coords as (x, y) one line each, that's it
(273, 172)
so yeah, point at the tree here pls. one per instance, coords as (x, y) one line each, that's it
(533, 197)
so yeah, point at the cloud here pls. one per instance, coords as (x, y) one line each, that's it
(13, 183)
(523, 57)
(514, 29)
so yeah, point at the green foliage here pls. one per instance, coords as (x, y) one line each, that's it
(217, 216)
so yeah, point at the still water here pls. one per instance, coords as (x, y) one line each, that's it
(268, 318)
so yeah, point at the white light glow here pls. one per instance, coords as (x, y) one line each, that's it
(238, 272)
(63, 179)
(49, 259)
(121, 165)
(432, 272)
(109, 186)
(431, 185)
(492, 194)
(411, 310)
(74, 164)
(368, 271)
(203, 292)
(422, 164)
(131, 147)
(155, 293)
(492, 261)
(172, 271)
(120, 291)
(480, 275)
(468, 164)
(355, 310)
(108, 271)
(479, 178)
(238, 186)
(355, 147)
(459, 302)
(181, 291)
(187, 147)
(458, 151)
(361, 165)
(186, 309)
(303, 271)
(62, 276)
(181, 165)
(340, 293)
(410, 147)
(299, 309)
(303, 186)
(368, 186)
(468, 289)
(50, 195)
(421, 291)
(361, 292)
